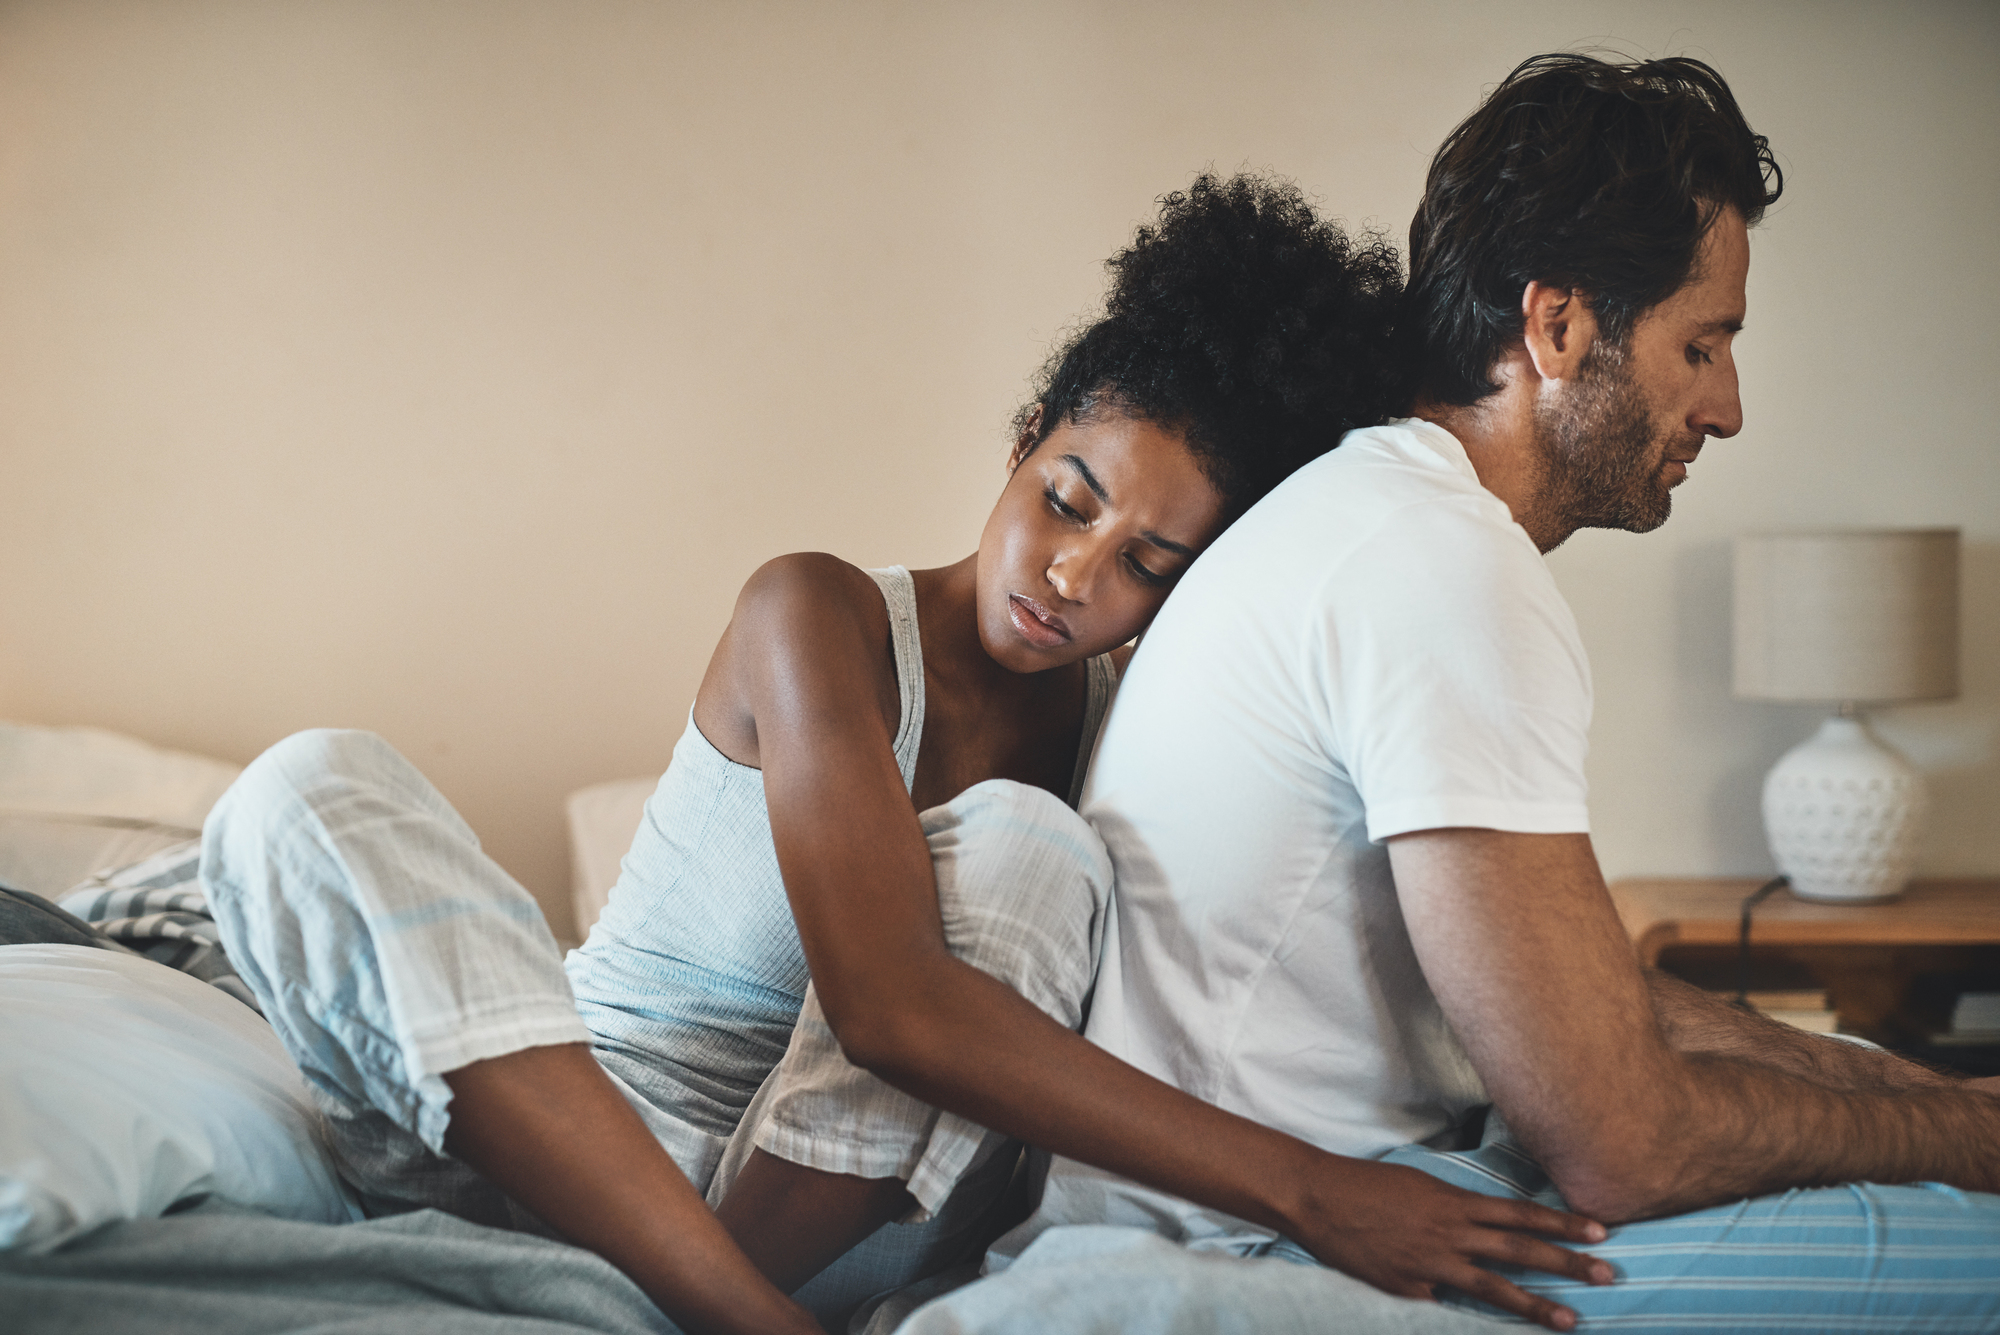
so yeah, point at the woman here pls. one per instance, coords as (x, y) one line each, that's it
(417, 988)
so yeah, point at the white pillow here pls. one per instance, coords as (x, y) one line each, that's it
(126, 1086)
(77, 800)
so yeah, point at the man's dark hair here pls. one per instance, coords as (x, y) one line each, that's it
(1582, 174)
(1245, 321)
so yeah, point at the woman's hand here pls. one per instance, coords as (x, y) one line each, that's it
(1406, 1233)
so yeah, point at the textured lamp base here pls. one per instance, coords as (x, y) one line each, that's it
(1842, 812)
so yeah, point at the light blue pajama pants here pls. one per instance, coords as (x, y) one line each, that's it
(387, 949)
(1859, 1257)
(1838, 1259)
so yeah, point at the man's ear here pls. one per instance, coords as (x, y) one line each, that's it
(1024, 444)
(1557, 329)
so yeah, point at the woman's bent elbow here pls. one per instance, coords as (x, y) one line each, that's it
(883, 1042)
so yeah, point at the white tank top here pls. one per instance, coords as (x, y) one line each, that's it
(693, 976)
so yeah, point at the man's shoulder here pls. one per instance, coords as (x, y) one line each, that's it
(1409, 445)
(1381, 490)
(1390, 544)
(1375, 471)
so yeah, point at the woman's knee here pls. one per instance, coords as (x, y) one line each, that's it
(1000, 826)
(304, 771)
(1024, 885)
(308, 759)
(274, 828)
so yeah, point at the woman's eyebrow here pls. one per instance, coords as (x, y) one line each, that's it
(1089, 478)
(1097, 489)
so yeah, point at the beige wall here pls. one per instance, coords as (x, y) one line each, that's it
(442, 368)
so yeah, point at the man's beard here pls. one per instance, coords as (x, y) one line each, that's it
(1602, 454)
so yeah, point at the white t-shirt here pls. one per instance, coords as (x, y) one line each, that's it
(1376, 648)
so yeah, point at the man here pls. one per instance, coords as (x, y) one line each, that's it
(1343, 787)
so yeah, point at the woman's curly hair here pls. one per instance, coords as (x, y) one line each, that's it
(1246, 322)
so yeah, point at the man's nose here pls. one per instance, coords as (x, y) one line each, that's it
(1720, 410)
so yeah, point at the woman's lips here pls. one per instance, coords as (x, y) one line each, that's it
(1038, 626)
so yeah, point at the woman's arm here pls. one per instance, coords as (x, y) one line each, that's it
(858, 874)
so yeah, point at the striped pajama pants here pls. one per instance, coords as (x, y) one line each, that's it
(1859, 1257)
(387, 949)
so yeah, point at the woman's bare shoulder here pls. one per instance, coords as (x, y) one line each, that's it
(810, 594)
(806, 626)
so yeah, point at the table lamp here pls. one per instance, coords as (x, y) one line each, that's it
(1848, 618)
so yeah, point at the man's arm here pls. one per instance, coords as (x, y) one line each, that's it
(1694, 1021)
(1519, 941)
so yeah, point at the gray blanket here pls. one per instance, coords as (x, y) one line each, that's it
(221, 1270)
(218, 1269)
(1105, 1280)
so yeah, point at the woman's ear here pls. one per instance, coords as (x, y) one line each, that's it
(1024, 444)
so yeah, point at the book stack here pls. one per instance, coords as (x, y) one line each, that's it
(1803, 1009)
(1975, 1021)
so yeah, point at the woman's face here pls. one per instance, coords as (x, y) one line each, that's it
(1090, 534)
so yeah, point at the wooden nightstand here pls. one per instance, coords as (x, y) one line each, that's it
(1865, 955)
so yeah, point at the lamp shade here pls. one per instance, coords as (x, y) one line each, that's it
(1856, 615)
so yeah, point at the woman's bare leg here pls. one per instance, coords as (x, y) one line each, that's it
(793, 1221)
(551, 1129)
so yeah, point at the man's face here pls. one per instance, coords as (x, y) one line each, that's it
(1623, 434)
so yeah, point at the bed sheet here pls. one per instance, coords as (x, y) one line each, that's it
(219, 1269)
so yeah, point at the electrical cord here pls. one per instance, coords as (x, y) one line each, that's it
(1750, 904)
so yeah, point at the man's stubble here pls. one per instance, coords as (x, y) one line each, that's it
(1603, 457)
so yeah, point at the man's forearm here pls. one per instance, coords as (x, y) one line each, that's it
(1762, 1130)
(1662, 1100)
(1779, 1107)
(1694, 1021)
(1762, 1106)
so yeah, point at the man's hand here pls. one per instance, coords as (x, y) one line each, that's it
(1407, 1233)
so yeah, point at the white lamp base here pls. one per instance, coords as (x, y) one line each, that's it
(1842, 812)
